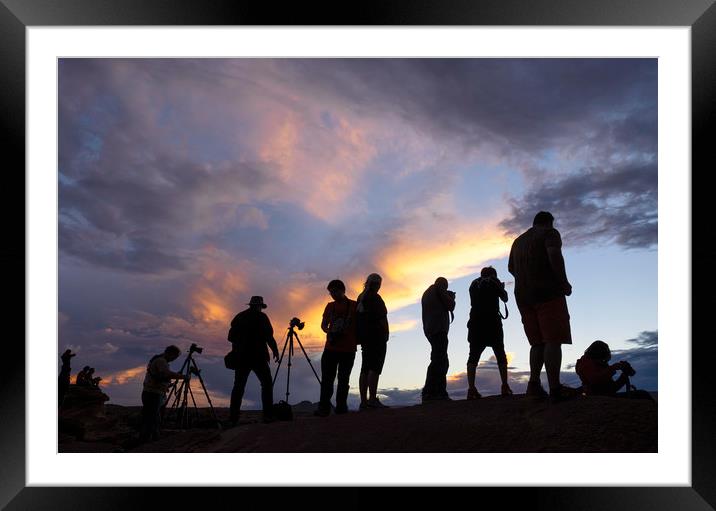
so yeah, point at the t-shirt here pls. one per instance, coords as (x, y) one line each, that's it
(485, 296)
(436, 305)
(372, 319)
(341, 315)
(157, 379)
(535, 281)
(595, 375)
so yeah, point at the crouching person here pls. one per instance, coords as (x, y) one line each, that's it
(597, 374)
(156, 384)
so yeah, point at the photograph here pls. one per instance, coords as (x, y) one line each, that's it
(357, 255)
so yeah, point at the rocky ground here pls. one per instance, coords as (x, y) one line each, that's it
(490, 424)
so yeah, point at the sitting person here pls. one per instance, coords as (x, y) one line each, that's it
(596, 373)
(82, 377)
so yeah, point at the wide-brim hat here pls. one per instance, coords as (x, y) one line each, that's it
(257, 300)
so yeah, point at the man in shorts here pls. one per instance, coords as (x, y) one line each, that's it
(541, 286)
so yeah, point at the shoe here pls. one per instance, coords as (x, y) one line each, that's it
(506, 390)
(341, 410)
(562, 393)
(473, 394)
(375, 403)
(322, 412)
(363, 405)
(535, 389)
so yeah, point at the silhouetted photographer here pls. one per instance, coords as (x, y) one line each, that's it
(438, 304)
(484, 327)
(373, 333)
(597, 374)
(156, 383)
(250, 335)
(64, 379)
(339, 353)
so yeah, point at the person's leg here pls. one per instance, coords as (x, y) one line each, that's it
(376, 368)
(430, 376)
(241, 374)
(473, 359)
(329, 365)
(373, 385)
(263, 373)
(345, 366)
(553, 363)
(443, 365)
(536, 362)
(363, 378)
(150, 416)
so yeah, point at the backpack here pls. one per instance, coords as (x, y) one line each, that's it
(283, 411)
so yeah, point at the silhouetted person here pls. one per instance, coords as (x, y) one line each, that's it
(156, 383)
(83, 377)
(484, 327)
(438, 304)
(373, 333)
(63, 382)
(339, 353)
(596, 373)
(251, 332)
(541, 286)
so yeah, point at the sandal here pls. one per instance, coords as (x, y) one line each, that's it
(473, 394)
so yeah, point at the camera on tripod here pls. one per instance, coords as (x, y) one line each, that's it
(295, 322)
(194, 348)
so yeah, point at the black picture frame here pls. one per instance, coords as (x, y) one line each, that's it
(700, 15)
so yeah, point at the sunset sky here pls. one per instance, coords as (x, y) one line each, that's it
(187, 186)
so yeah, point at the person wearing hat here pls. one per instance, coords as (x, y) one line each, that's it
(250, 333)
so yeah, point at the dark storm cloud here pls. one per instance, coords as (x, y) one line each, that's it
(618, 206)
(522, 104)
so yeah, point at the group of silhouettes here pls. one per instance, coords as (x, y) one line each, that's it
(540, 288)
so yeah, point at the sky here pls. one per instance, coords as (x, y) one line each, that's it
(188, 185)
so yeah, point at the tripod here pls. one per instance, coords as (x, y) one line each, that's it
(289, 342)
(180, 392)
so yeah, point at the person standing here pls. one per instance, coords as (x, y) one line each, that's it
(63, 382)
(340, 350)
(484, 328)
(250, 334)
(541, 286)
(438, 304)
(373, 332)
(156, 384)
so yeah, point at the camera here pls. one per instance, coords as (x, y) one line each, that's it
(627, 368)
(451, 293)
(295, 322)
(194, 348)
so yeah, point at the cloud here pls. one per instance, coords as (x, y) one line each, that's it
(616, 206)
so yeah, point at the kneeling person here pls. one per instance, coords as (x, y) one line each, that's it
(596, 373)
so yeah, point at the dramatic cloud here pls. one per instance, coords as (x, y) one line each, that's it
(617, 206)
(188, 185)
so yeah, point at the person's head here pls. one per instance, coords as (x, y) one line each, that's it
(337, 289)
(91, 371)
(543, 219)
(373, 282)
(86, 369)
(441, 283)
(488, 271)
(257, 303)
(171, 353)
(598, 350)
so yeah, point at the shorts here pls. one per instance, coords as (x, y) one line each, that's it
(546, 322)
(480, 339)
(373, 357)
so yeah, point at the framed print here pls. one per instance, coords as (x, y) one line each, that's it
(192, 172)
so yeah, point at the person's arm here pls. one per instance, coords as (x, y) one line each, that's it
(161, 367)
(502, 292)
(553, 243)
(326, 318)
(269, 338)
(449, 300)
